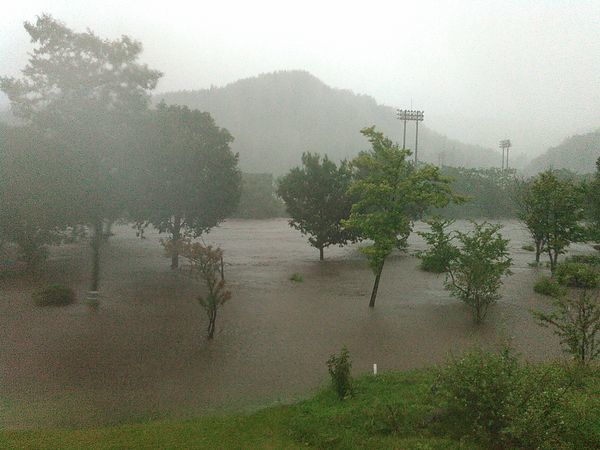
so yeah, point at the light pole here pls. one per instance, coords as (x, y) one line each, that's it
(505, 144)
(406, 115)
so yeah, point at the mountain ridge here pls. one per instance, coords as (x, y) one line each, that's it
(276, 116)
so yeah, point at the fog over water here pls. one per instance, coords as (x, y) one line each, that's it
(482, 71)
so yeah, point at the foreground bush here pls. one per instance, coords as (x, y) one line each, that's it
(502, 403)
(549, 286)
(339, 370)
(54, 295)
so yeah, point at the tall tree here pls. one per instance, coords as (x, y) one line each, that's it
(85, 93)
(317, 199)
(190, 179)
(552, 210)
(391, 195)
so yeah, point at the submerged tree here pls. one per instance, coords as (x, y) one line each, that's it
(475, 272)
(316, 197)
(190, 179)
(205, 265)
(391, 194)
(552, 211)
(576, 321)
(86, 94)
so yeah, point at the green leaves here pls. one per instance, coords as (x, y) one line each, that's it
(391, 194)
(317, 199)
(475, 273)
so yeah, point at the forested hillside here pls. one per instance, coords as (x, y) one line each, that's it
(275, 117)
(577, 153)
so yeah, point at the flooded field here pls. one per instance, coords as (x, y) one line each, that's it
(142, 354)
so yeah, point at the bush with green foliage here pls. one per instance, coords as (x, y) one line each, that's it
(475, 273)
(54, 295)
(441, 251)
(496, 400)
(339, 370)
(577, 275)
(549, 286)
(576, 321)
(528, 248)
(298, 278)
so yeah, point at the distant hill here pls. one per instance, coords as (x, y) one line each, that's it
(577, 153)
(275, 117)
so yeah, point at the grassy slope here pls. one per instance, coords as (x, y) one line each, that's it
(363, 421)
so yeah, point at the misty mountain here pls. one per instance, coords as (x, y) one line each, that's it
(577, 153)
(275, 117)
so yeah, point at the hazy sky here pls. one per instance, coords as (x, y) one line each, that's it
(481, 70)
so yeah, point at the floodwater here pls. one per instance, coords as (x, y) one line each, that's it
(142, 354)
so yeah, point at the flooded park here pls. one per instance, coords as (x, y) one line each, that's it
(142, 354)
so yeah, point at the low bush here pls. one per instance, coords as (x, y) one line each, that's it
(549, 286)
(339, 370)
(577, 275)
(54, 295)
(528, 248)
(502, 403)
(296, 277)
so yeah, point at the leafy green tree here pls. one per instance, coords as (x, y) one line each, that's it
(552, 209)
(317, 199)
(533, 214)
(391, 194)
(86, 94)
(190, 179)
(441, 252)
(575, 319)
(475, 273)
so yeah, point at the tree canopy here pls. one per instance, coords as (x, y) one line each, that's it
(190, 180)
(391, 194)
(85, 95)
(317, 199)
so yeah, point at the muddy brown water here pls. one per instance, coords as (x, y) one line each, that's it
(142, 354)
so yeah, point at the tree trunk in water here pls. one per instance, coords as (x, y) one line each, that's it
(321, 253)
(538, 251)
(376, 286)
(211, 324)
(175, 237)
(96, 244)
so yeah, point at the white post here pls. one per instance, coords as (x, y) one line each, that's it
(374, 369)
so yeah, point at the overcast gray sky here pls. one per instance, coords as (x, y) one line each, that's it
(481, 70)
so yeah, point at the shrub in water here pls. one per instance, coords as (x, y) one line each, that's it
(528, 248)
(578, 275)
(54, 295)
(339, 369)
(297, 278)
(549, 286)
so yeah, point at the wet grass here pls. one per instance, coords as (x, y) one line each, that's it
(387, 411)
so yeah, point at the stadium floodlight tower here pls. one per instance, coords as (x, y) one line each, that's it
(408, 114)
(505, 144)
